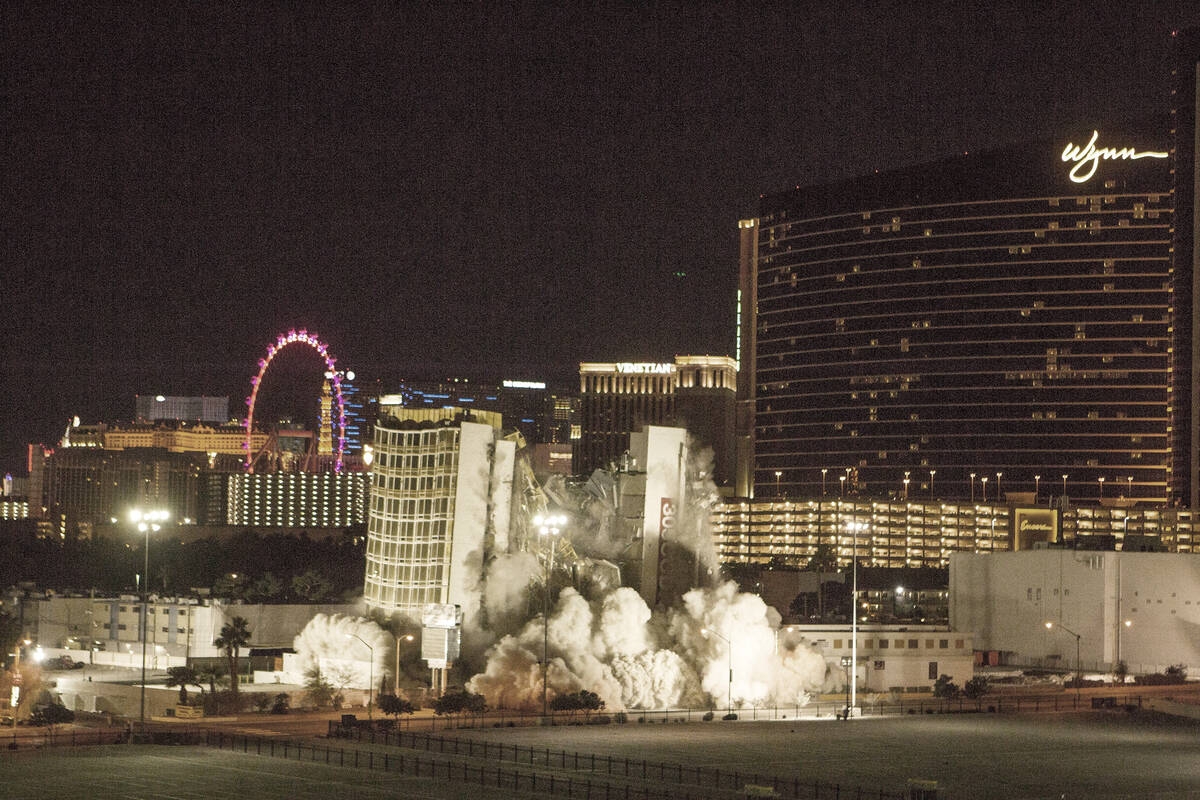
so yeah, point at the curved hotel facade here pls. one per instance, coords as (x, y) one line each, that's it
(1004, 315)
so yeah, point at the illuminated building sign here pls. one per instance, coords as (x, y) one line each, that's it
(524, 384)
(645, 369)
(1031, 525)
(1087, 158)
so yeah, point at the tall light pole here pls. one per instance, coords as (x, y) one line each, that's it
(824, 471)
(728, 649)
(408, 637)
(1063, 503)
(778, 475)
(1037, 482)
(146, 521)
(932, 472)
(371, 672)
(842, 478)
(550, 526)
(854, 528)
(1130, 481)
(972, 487)
(999, 495)
(1100, 481)
(984, 480)
(1078, 668)
(1127, 623)
(906, 488)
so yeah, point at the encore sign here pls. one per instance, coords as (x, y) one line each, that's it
(1088, 158)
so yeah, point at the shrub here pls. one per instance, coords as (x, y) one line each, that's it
(281, 704)
(51, 714)
(262, 702)
(621, 717)
(945, 688)
(975, 688)
(395, 706)
(1120, 671)
(458, 702)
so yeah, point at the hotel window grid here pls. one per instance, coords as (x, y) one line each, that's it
(411, 516)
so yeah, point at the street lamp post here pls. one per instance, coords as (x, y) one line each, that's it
(984, 481)
(729, 688)
(854, 528)
(1037, 482)
(999, 495)
(1100, 480)
(408, 637)
(778, 475)
(548, 525)
(371, 673)
(1078, 667)
(1063, 503)
(1130, 482)
(1128, 623)
(972, 487)
(824, 471)
(842, 478)
(146, 521)
(932, 472)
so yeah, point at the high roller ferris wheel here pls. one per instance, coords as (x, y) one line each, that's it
(294, 337)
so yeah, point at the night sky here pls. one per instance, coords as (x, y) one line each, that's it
(450, 189)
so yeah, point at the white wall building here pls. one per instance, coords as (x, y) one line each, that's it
(1140, 608)
(440, 499)
(903, 658)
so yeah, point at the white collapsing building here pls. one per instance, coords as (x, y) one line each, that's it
(440, 501)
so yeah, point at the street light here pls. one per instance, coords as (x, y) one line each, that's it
(728, 649)
(984, 480)
(1130, 481)
(1128, 623)
(146, 521)
(408, 637)
(371, 673)
(842, 478)
(1037, 482)
(854, 528)
(1078, 668)
(778, 475)
(932, 472)
(548, 525)
(1100, 480)
(823, 472)
(1064, 494)
(999, 495)
(972, 487)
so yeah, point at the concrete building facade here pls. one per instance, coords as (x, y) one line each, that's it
(1140, 608)
(440, 500)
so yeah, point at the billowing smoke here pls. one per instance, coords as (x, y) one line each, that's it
(616, 647)
(329, 637)
(604, 638)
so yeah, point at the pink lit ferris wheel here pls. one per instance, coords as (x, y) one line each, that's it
(294, 337)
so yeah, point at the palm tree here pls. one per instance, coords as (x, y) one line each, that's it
(212, 673)
(183, 677)
(234, 634)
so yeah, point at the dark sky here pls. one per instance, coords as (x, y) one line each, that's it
(466, 188)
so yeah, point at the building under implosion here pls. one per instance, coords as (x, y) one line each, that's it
(440, 501)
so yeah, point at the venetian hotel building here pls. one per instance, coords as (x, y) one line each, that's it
(1005, 313)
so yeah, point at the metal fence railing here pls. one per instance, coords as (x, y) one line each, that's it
(1067, 700)
(691, 777)
(26, 738)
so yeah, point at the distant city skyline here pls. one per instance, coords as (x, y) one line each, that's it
(511, 192)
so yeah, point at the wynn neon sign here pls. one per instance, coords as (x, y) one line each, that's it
(1087, 158)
